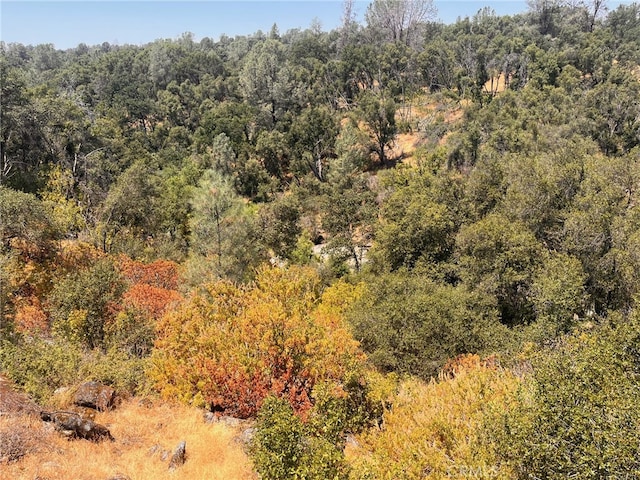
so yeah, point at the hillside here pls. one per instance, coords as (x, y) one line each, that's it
(144, 433)
(398, 249)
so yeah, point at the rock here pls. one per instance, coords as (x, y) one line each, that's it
(212, 417)
(95, 395)
(247, 435)
(352, 442)
(164, 454)
(74, 426)
(179, 456)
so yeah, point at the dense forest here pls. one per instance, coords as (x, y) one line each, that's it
(420, 236)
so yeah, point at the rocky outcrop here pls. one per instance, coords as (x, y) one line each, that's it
(74, 426)
(95, 395)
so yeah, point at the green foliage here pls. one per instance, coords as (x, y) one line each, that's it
(497, 257)
(312, 140)
(349, 207)
(83, 302)
(577, 416)
(280, 227)
(285, 448)
(40, 366)
(415, 223)
(378, 112)
(410, 324)
(351, 150)
(278, 445)
(24, 219)
(225, 240)
(558, 292)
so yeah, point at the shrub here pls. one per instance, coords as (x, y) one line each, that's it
(277, 336)
(435, 430)
(409, 324)
(84, 302)
(578, 414)
(285, 447)
(40, 366)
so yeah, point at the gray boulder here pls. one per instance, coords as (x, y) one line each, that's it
(74, 426)
(179, 456)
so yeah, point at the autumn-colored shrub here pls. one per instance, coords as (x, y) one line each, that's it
(230, 346)
(435, 430)
(160, 274)
(152, 300)
(150, 292)
(30, 317)
(76, 255)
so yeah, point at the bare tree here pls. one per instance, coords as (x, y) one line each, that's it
(400, 19)
(348, 21)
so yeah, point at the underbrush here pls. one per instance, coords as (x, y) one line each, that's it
(435, 429)
(40, 366)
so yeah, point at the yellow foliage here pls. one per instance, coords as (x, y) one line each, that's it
(231, 346)
(66, 212)
(74, 255)
(433, 430)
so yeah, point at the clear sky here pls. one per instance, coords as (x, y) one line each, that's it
(68, 23)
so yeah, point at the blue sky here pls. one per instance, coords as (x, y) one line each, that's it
(68, 23)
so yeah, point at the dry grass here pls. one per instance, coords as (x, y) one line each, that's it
(141, 435)
(427, 110)
(496, 85)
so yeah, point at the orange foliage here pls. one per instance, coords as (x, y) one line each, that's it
(30, 318)
(466, 362)
(232, 346)
(161, 273)
(152, 289)
(29, 250)
(154, 301)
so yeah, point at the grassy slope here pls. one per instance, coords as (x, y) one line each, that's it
(212, 449)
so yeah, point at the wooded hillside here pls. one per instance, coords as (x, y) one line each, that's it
(322, 230)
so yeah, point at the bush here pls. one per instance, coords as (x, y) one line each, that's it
(409, 324)
(284, 447)
(83, 303)
(434, 430)
(578, 415)
(40, 366)
(278, 336)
